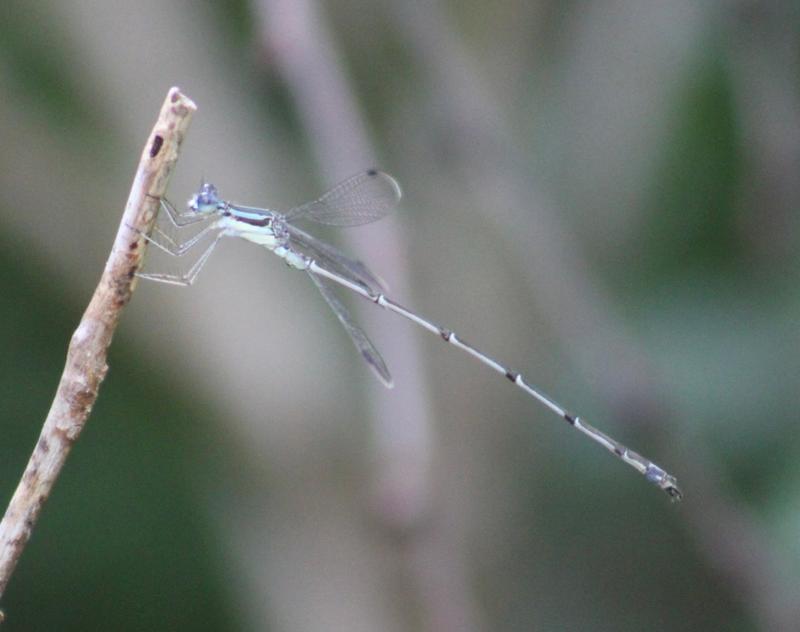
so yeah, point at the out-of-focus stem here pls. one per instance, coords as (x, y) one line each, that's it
(297, 40)
(734, 544)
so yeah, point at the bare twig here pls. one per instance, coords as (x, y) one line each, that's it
(86, 357)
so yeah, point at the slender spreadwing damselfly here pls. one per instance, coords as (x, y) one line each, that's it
(361, 199)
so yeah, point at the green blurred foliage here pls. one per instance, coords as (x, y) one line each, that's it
(122, 543)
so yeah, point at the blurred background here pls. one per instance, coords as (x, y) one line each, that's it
(601, 195)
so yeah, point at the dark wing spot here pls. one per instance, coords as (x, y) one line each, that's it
(372, 172)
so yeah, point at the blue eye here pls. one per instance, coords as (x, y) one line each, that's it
(206, 200)
(208, 190)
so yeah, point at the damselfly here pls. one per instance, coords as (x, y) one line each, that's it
(361, 199)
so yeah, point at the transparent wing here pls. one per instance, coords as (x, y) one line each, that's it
(360, 199)
(357, 335)
(335, 260)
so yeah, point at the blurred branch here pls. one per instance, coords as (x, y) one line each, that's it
(301, 47)
(497, 174)
(580, 312)
(86, 357)
(296, 38)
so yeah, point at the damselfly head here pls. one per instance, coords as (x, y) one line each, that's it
(206, 200)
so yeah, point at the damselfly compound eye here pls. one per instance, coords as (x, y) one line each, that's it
(206, 200)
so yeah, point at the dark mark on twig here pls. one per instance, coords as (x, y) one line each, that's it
(158, 141)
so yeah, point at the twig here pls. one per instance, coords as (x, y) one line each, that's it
(86, 357)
